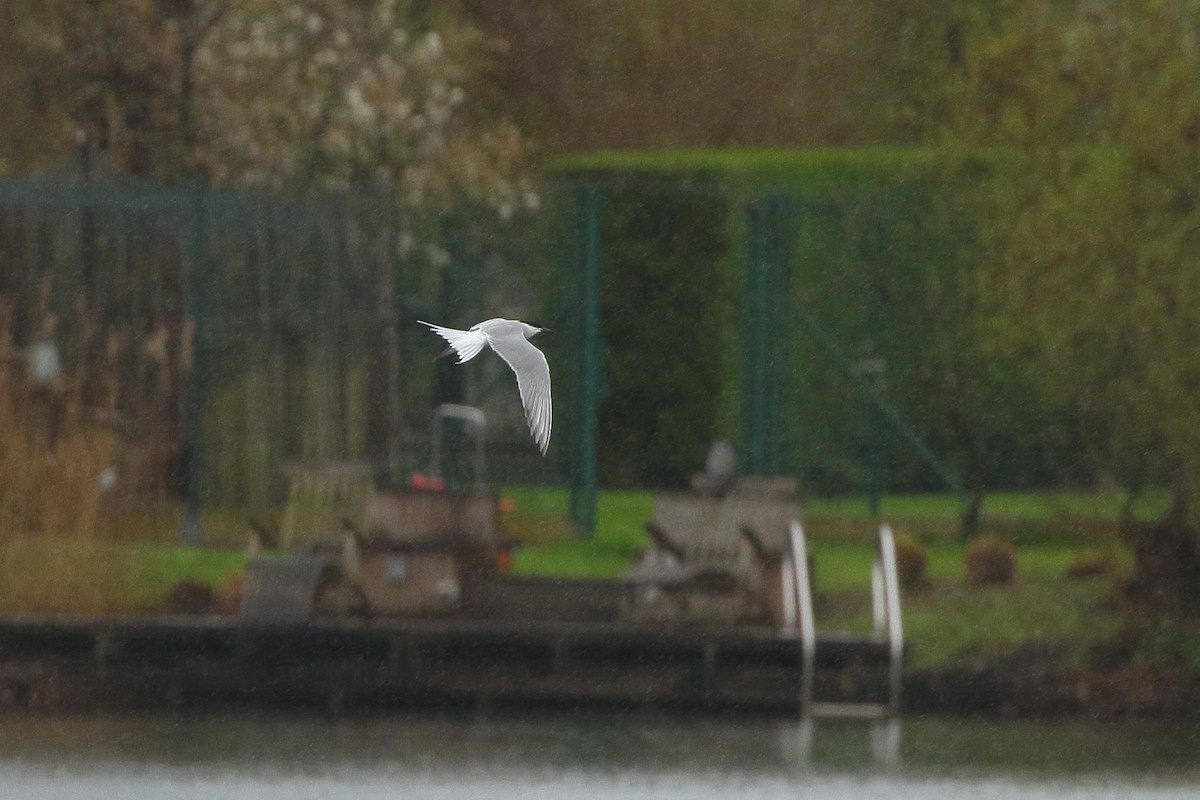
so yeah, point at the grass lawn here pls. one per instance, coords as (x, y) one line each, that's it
(52, 575)
(1029, 518)
(620, 532)
(945, 620)
(1029, 506)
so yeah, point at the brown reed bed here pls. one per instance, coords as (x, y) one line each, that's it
(85, 523)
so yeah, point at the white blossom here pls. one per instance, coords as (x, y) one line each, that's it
(322, 91)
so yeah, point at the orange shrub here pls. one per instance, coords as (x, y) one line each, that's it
(1087, 565)
(990, 562)
(190, 597)
(911, 561)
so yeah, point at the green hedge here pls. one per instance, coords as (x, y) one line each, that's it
(876, 247)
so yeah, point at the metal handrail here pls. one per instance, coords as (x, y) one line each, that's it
(472, 417)
(788, 575)
(885, 604)
(802, 583)
(895, 628)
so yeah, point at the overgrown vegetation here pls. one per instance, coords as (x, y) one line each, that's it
(1088, 239)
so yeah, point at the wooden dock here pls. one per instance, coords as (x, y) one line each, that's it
(184, 662)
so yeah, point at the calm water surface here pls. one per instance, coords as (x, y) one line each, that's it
(594, 757)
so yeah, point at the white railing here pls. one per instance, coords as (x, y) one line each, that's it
(470, 416)
(885, 605)
(891, 621)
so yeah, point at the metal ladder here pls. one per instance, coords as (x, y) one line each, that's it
(885, 603)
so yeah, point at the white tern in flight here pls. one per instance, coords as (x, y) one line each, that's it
(510, 339)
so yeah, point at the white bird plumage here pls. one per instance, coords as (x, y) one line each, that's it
(510, 339)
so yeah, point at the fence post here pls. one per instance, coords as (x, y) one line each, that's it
(754, 347)
(874, 364)
(583, 483)
(196, 264)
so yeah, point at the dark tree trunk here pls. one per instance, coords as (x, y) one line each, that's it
(1166, 571)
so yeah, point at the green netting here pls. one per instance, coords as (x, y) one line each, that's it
(808, 310)
(243, 332)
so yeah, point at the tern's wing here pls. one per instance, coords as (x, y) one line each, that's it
(466, 343)
(533, 379)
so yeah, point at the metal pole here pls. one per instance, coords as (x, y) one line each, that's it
(808, 628)
(583, 489)
(878, 596)
(874, 365)
(891, 582)
(755, 349)
(391, 316)
(886, 410)
(788, 586)
(450, 380)
(87, 221)
(196, 264)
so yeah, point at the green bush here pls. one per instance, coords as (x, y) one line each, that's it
(666, 309)
(872, 245)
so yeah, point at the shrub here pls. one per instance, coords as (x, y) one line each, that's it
(911, 561)
(990, 562)
(1087, 565)
(227, 598)
(190, 597)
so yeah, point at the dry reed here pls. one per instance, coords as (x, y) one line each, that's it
(66, 492)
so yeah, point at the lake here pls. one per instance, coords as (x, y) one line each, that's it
(598, 757)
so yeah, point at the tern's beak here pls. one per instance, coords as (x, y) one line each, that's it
(545, 330)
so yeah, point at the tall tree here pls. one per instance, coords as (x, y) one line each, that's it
(671, 73)
(1091, 232)
(334, 92)
(100, 71)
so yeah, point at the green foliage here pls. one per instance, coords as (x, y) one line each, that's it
(817, 170)
(1170, 642)
(666, 310)
(670, 73)
(1091, 236)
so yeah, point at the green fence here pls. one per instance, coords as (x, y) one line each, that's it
(246, 331)
(820, 331)
(816, 310)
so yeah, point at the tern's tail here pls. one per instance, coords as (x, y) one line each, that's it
(466, 343)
